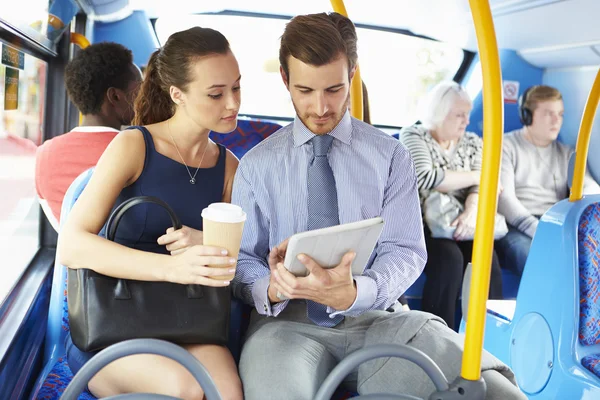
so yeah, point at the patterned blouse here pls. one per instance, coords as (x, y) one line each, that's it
(431, 160)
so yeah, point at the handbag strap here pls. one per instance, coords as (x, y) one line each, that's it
(115, 217)
(122, 290)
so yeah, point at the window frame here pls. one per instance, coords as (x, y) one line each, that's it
(468, 56)
(31, 293)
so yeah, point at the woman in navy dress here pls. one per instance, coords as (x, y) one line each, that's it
(192, 87)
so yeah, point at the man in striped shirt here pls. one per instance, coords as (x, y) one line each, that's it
(302, 327)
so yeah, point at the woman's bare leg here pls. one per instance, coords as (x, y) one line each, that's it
(146, 373)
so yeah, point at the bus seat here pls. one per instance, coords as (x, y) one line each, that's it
(247, 135)
(414, 294)
(552, 342)
(592, 363)
(56, 374)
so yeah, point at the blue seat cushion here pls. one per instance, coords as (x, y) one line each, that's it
(592, 363)
(589, 275)
(57, 381)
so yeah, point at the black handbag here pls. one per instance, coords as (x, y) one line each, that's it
(105, 310)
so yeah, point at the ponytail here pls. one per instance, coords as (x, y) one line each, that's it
(171, 66)
(153, 103)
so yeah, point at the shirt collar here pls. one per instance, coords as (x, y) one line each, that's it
(342, 132)
(93, 129)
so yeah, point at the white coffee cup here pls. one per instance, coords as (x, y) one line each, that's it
(223, 225)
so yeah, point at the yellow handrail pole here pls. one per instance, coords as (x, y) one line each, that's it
(82, 42)
(79, 40)
(356, 94)
(583, 140)
(492, 149)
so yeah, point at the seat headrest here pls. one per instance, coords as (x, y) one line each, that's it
(247, 135)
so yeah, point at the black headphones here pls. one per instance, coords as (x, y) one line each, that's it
(525, 114)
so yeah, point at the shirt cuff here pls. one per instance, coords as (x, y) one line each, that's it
(366, 294)
(260, 295)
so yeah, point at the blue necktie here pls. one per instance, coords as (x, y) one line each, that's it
(322, 212)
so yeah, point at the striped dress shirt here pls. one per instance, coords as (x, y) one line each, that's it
(374, 176)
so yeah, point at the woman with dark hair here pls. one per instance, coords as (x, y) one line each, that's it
(191, 87)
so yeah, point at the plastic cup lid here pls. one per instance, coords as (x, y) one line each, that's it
(224, 212)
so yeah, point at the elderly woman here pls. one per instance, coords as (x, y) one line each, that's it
(448, 160)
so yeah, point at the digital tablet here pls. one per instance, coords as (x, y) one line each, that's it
(327, 246)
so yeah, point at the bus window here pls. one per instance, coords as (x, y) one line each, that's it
(22, 98)
(398, 69)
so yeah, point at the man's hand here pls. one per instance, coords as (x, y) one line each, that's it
(276, 256)
(333, 287)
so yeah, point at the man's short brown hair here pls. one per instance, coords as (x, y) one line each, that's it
(318, 39)
(539, 94)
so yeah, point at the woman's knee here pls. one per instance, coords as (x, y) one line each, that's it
(183, 385)
(221, 367)
(231, 391)
(186, 387)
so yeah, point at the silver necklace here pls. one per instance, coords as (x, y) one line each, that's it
(192, 177)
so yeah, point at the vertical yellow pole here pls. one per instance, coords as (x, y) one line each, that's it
(79, 40)
(356, 94)
(82, 42)
(583, 140)
(492, 149)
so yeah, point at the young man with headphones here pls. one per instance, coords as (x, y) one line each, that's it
(534, 172)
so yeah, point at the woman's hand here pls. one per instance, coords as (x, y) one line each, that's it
(179, 240)
(190, 266)
(465, 224)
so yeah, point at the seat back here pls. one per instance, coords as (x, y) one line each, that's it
(564, 248)
(555, 325)
(589, 275)
(247, 135)
(58, 318)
